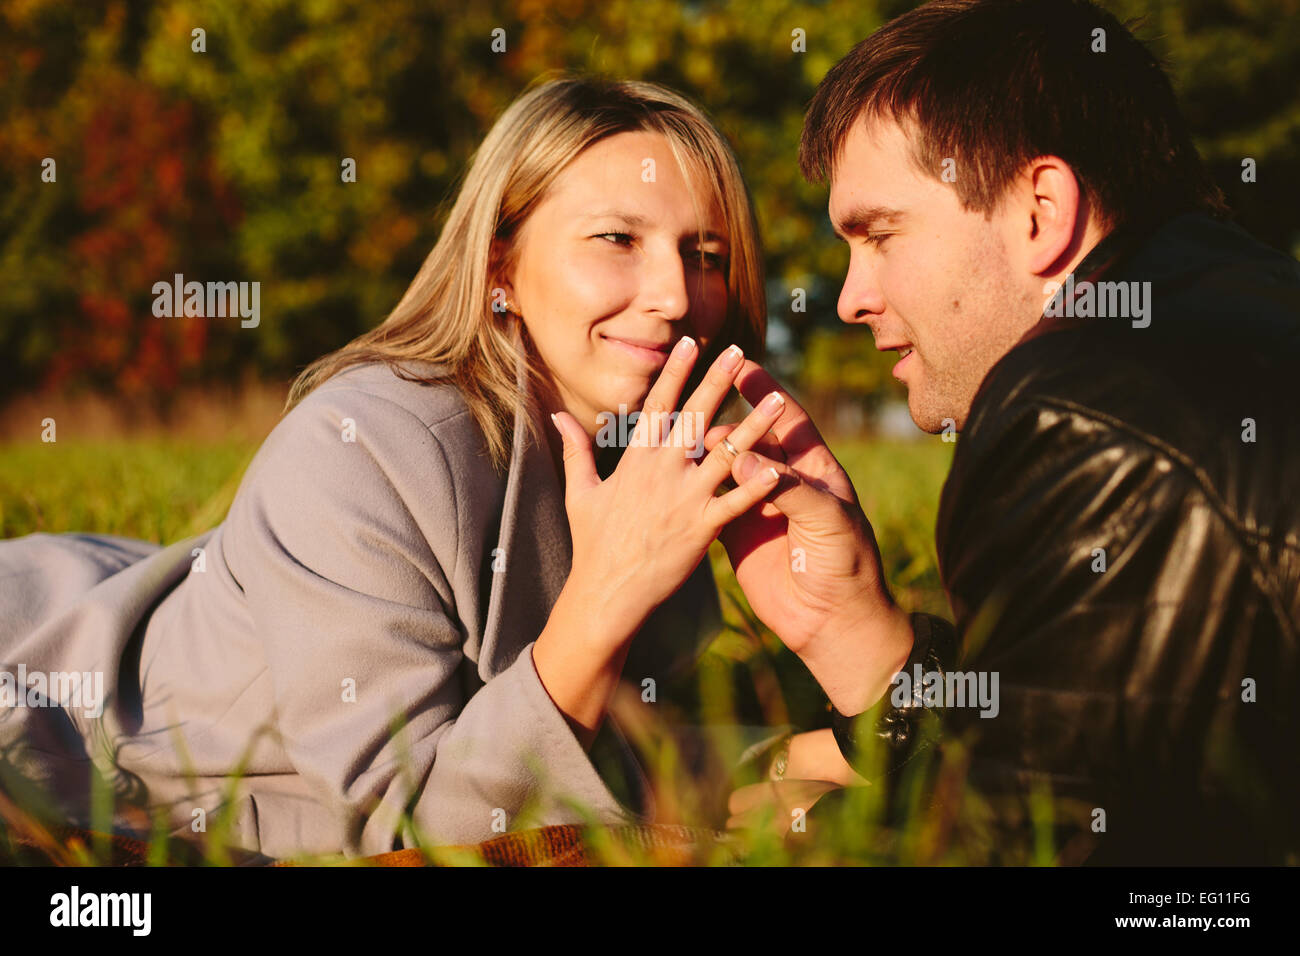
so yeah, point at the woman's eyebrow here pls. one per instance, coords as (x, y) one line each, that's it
(631, 218)
(636, 220)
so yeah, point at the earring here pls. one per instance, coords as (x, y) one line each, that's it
(506, 307)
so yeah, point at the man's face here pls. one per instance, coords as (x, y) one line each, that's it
(926, 274)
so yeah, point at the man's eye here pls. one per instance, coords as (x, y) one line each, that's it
(877, 238)
(618, 238)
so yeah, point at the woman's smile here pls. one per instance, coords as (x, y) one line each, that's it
(646, 352)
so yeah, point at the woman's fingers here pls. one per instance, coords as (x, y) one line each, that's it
(579, 462)
(704, 403)
(652, 423)
(767, 445)
(755, 426)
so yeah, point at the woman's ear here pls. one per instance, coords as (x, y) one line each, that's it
(501, 283)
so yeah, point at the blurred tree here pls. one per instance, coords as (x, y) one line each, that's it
(1235, 65)
(132, 201)
(225, 164)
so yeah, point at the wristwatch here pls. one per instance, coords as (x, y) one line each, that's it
(908, 727)
(780, 759)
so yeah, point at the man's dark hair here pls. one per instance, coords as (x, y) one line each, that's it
(993, 84)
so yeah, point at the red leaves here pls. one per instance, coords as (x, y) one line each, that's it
(152, 206)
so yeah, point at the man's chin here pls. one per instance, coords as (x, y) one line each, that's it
(930, 420)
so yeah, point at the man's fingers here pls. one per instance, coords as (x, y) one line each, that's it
(727, 508)
(579, 462)
(792, 495)
(749, 805)
(717, 433)
(794, 429)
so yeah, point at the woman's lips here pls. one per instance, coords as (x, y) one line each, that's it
(655, 358)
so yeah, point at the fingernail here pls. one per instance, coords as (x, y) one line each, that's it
(684, 346)
(732, 358)
(774, 402)
(556, 422)
(747, 465)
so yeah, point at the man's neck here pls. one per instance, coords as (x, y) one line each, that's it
(1096, 250)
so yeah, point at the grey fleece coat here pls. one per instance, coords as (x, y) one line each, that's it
(394, 576)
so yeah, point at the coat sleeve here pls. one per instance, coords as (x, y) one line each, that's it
(1069, 549)
(350, 594)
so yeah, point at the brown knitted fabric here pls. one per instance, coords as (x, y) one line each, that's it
(56, 845)
(565, 846)
(548, 846)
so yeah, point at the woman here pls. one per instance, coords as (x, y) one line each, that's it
(397, 628)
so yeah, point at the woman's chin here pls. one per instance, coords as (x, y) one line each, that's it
(627, 400)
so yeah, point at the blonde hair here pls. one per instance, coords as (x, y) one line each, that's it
(446, 315)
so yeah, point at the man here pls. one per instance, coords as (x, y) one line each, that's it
(1031, 228)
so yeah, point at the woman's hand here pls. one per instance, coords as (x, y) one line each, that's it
(639, 534)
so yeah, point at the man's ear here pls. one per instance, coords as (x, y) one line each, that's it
(1050, 213)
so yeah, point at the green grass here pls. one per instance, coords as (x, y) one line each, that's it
(158, 490)
(163, 490)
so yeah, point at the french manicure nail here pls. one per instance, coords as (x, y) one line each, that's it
(684, 346)
(732, 358)
(773, 403)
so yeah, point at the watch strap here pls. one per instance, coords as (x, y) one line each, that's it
(903, 728)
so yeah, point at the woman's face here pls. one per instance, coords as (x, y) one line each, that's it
(610, 273)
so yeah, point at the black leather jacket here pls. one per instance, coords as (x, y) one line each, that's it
(1163, 689)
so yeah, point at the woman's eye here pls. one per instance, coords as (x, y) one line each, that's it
(877, 239)
(712, 260)
(618, 238)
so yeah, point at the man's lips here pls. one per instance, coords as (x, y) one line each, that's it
(905, 351)
(650, 352)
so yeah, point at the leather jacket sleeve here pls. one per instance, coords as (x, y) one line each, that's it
(1091, 575)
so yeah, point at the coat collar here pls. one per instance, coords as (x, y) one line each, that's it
(535, 555)
(535, 549)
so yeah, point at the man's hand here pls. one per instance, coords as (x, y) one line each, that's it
(807, 558)
(779, 802)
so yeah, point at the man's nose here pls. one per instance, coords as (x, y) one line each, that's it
(860, 298)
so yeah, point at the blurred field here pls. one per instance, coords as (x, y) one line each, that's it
(162, 488)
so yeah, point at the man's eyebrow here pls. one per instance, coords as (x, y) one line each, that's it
(859, 219)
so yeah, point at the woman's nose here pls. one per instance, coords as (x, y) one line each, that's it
(665, 286)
